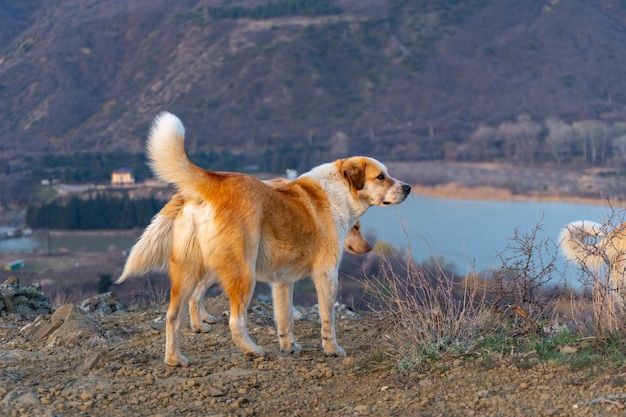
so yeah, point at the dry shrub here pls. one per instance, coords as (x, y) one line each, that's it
(527, 282)
(425, 318)
(523, 308)
(62, 295)
(150, 289)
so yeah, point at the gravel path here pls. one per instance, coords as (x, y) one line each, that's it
(111, 365)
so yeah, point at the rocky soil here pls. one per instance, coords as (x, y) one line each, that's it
(100, 358)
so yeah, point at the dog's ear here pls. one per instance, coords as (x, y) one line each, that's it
(354, 173)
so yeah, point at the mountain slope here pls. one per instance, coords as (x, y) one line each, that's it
(400, 78)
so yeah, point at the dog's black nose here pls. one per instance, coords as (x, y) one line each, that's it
(406, 188)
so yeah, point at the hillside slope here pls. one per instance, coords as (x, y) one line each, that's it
(403, 79)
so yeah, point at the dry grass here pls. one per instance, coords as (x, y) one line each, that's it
(522, 309)
(146, 290)
(60, 295)
(424, 318)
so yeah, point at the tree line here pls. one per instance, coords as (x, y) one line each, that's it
(99, 212)
(584, 142)
(85, 168)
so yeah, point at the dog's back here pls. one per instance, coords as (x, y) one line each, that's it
(576, 245)
(587, 243)
(154, 247)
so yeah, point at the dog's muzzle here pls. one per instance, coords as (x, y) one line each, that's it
(399, 197)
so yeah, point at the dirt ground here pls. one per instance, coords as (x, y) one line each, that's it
(113, 366)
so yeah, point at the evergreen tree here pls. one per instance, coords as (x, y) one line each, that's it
(95, 213)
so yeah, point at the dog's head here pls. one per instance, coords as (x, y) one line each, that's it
(369, 181)
(355, 243)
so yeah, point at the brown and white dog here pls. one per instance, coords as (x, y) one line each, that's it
(154, 247)
(588, 244)
(236, 229)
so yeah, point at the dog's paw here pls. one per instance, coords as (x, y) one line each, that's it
(335, 350)
(201, 328)
(291, 348)
(174, 360)
(254, 351)
(208, 318)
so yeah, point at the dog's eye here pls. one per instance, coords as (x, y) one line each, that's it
(381, 177)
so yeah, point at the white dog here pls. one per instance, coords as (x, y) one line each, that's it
(588, 244)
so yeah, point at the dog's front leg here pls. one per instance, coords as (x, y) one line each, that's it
(326, 283)
(282, 294)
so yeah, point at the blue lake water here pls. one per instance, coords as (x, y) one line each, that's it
(42, 242)
(473, 232)
(467, 233)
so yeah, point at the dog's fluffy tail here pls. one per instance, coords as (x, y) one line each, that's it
(577, 243)
(153, 249)
(168, 159)
(169, 162)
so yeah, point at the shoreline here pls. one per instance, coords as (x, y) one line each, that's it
(455, 191)
(102, 232)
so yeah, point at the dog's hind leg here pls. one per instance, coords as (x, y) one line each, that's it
(239, 286)
(326, 284)
(198, 316)
(183, 284)
(282, 295)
